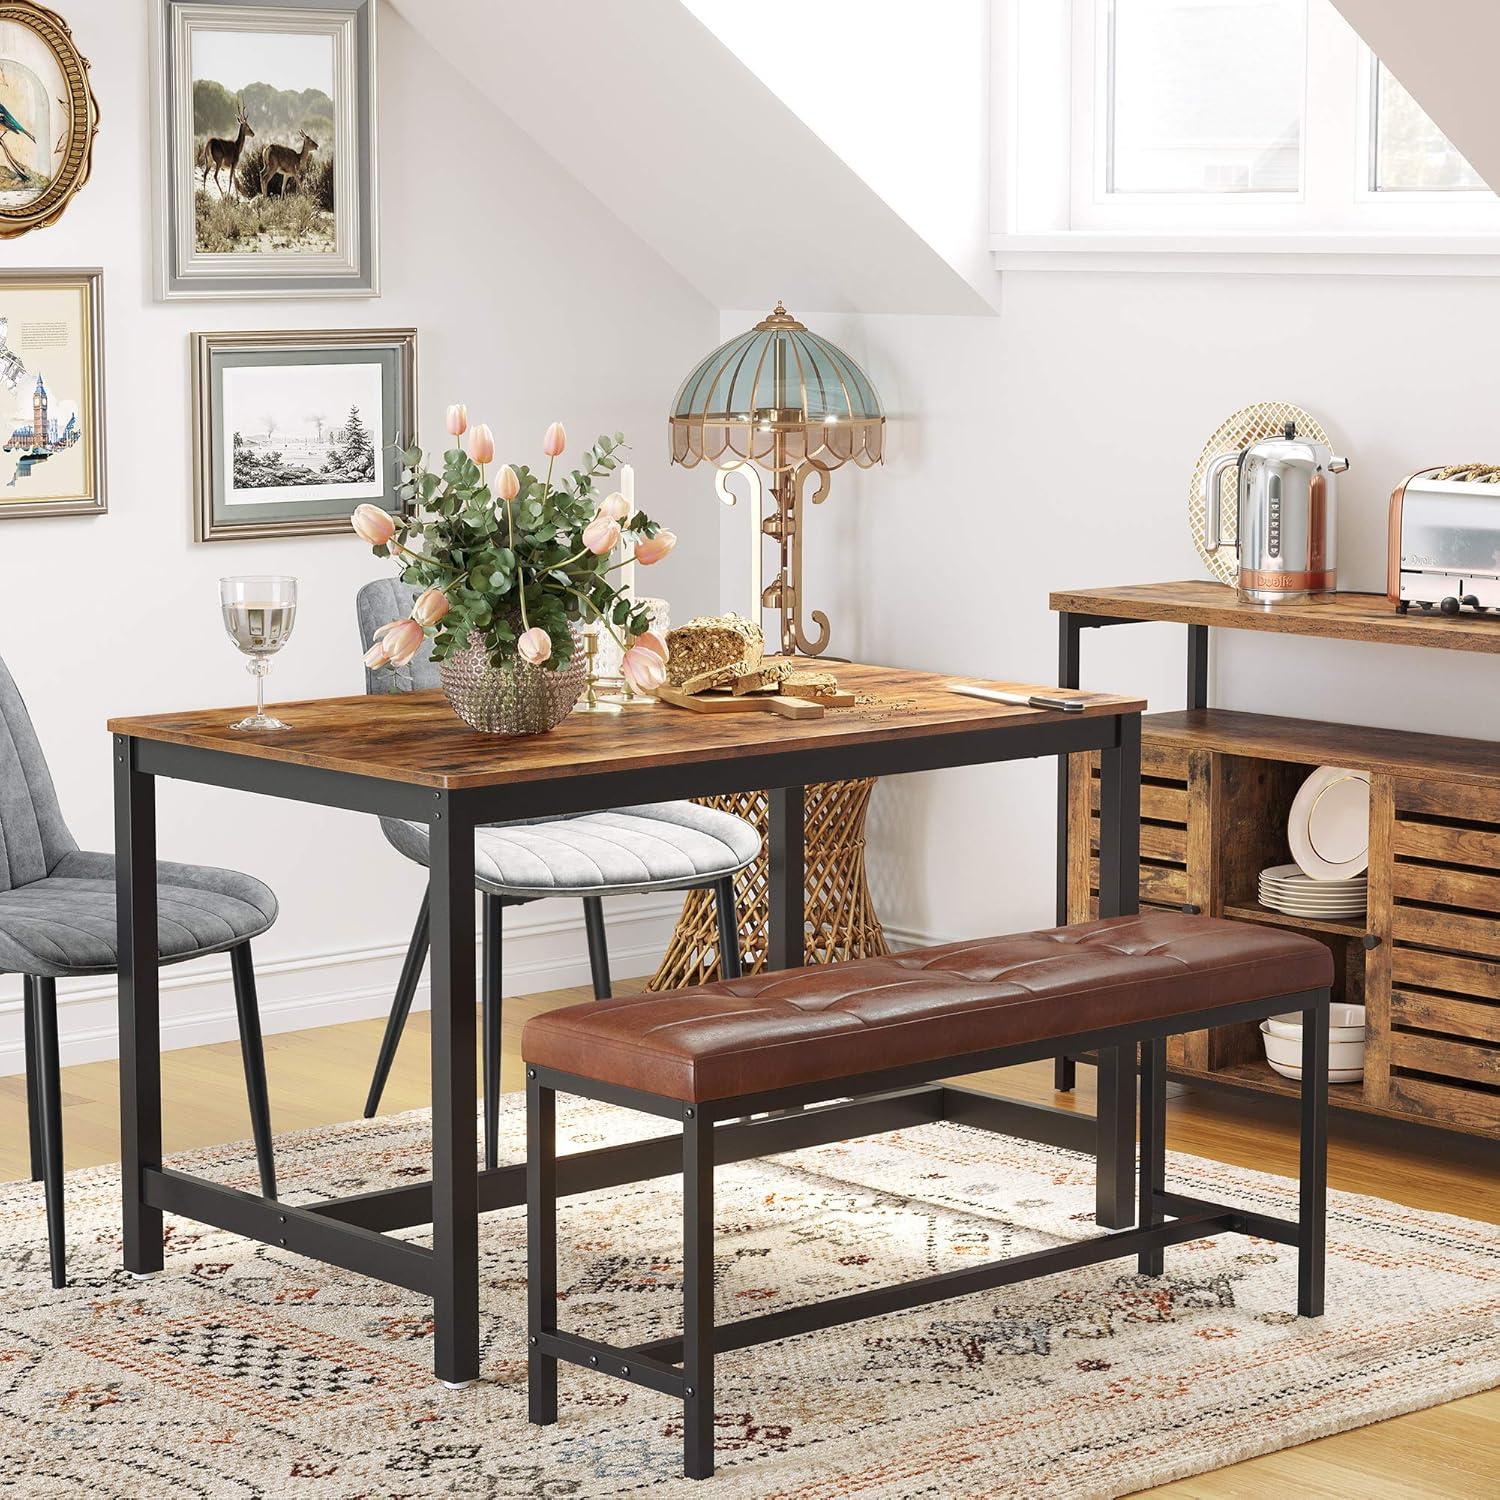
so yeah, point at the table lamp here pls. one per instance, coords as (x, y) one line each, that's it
(780, 399)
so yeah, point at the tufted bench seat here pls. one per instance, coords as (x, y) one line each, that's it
(830, 1022)
(710, 1056)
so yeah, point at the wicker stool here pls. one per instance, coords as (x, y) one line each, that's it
(841, 920)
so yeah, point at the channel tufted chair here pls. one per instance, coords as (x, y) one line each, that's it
(667, 846)
(57, 920)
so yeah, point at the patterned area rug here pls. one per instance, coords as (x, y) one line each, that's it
(247, 1372)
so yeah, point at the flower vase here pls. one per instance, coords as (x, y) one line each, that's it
(516, 698)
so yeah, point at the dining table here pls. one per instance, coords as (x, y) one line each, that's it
(408, 756)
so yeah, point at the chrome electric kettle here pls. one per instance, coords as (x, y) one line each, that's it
(1287, 530)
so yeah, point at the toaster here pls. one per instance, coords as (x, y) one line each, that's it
(1444, 550)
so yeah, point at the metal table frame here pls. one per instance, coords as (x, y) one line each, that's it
(352, 1232)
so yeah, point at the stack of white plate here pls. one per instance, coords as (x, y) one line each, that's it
(1285, 888)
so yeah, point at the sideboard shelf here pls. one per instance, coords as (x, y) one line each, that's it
(1217, 789)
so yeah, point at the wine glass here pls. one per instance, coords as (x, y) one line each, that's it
(258, 614)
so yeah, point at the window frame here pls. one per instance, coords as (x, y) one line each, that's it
(1048, 209)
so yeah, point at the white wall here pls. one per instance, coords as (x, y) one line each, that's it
(533, 302)
(1052, 448)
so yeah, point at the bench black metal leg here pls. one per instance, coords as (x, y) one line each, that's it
(1114, 1193)
(698, 1295)
(1312, 1206)
(253, 1053)
(1153, 1167)
(33, 1097)
(541, 1255)
(406, 987)
(493, 924)
(41, 1000)
(729, 929)
(593, 926)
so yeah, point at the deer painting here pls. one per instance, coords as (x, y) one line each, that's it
(289, 165)
(219, 154)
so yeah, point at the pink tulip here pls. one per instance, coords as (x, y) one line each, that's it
(555, 441)
(480, 443)
(652, 549)
(375, 656)
(430, 607)
(648, 640)
(402, 642)
(535, 646)
(458, 420)
(507, 483)
(615, 506)
(643, 669)
(601, 535)
(373, 525)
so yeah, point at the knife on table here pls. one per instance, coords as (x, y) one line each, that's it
(1022, 700)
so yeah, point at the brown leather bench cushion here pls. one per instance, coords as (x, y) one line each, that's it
(827, 1022)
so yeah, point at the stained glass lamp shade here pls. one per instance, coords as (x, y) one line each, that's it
(778, 396)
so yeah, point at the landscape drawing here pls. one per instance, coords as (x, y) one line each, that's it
(263, 143)
(303, 433)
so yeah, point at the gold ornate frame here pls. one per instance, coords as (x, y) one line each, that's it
(83, 115)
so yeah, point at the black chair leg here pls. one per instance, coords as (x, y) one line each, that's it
(494, 916)
(593, 925)
(41, 1001)
(252, 1049)
(33, 1097)
(729, 929)
(406, 987)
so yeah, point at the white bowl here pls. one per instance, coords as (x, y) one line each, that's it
(1346, 1023)
(1346, 1059)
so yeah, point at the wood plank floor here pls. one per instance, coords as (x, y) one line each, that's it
(319, 1077)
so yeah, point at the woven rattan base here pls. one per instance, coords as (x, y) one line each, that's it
(841, 920)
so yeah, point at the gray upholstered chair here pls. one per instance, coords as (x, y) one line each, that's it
(57, 920)
(668, 846)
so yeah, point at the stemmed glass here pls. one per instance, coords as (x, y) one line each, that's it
(258, 614)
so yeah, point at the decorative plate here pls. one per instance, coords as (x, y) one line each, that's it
(1329, 824)
(1248, 425)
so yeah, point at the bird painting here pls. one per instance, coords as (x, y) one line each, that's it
(10, 125)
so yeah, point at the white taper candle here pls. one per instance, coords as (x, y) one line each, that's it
(627, 488)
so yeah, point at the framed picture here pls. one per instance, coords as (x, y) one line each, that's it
(291, 431)
(51, 394)
(48, 117)
(264, 179)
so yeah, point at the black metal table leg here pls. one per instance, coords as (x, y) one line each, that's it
(541, 1252)
(1312, 1196)
(1119, 895)
(140, 1006)
(698, 1295)
(1153, 1146)
(1064, 1069)
(455, 1194)
(785, 872)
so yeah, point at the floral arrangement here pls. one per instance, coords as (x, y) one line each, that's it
(512, 566)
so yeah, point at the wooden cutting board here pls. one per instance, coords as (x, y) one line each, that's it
(724, 703)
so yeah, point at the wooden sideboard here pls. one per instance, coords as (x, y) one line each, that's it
(1218, 785)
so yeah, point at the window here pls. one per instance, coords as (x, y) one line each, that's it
(1173, 126)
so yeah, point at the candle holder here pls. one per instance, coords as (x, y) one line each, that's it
(592, 702)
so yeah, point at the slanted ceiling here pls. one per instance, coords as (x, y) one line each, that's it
(659, 120)
(1445, 53)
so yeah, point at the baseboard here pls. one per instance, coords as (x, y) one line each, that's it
(541, 952)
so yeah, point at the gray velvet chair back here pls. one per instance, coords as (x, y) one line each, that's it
(33, 836)
(376, 604)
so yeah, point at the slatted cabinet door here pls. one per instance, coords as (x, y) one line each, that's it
(1445, 953)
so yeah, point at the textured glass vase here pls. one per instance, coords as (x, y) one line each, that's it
(514, 699)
